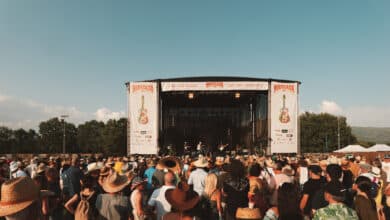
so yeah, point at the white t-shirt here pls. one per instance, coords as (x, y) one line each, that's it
(197, 178)
(303, 175)
(159, 201)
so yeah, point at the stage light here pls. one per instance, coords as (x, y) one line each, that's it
(237, 95)
(190, 95)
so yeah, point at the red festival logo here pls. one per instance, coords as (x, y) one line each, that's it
(143, 113)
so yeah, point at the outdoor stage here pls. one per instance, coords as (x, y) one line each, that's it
(234, 112)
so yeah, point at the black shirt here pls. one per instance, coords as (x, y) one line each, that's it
(310, 188)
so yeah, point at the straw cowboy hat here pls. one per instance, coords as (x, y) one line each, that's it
(19, 193)
(104, 171)
(201, 162)
(287, 170)
(115, 183)
(181, 199)
(248, 213)
(41, 168)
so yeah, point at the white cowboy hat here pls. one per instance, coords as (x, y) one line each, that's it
(201, 162)
(94, 166)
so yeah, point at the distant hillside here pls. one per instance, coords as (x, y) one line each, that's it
(372, 134)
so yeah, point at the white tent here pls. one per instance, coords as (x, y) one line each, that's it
(380, 147)
(352, 148)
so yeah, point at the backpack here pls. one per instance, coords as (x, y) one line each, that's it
(84, 210)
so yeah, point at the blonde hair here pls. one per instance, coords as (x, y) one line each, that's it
(211, 182)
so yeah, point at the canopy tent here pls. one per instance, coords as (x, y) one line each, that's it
(379, 147)
(352, 148)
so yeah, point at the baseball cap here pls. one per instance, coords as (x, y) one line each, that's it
(335, 188)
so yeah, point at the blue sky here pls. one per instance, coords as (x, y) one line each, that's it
(74, 57)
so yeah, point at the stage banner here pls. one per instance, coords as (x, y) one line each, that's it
(143, 115)
(284, 117)
(213, 86)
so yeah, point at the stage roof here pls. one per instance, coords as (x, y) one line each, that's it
(219, 79)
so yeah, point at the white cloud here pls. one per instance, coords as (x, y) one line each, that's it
(368, 116)
(330, 107)
(364, 115)
(3, 98)
(104, 114)
(23, 113)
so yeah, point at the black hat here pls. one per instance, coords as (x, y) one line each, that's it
(315, 169)
(335, 188)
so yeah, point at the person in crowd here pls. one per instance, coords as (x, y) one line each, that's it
(303, 172)
(53, 185)
(182, 200)
(16, 169)
(384, 210)
(337, 210)
(157, 200)
(88, 194)
(347, 173)
(382, 174)
(211, 199)
(112, 204)
(314, 184)
(32, 167)
(41, 181)
(93, 170)
(258, 188)
(21, 199)
(235, 188)
(364, 204)
(149, 176)
(279, 177)
(333, 173)
(198, 176)
(158, 175)
(288, 204)
(386, 168)
(354, 166)
(71, 178)
(136, 198)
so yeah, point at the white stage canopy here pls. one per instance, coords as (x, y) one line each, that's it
(380, 147)
(352, 148)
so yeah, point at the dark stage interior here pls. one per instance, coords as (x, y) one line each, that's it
(213, 117)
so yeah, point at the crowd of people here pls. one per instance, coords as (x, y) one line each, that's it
(195, 187)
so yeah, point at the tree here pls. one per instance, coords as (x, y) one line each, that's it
(115, 136)
(319, 132)
(89, 136)
(52, 136)
(6, 140)
(25, 141)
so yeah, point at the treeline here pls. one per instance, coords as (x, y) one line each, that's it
(89, 137)
(319, 133)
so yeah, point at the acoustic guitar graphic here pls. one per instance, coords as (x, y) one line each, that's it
(143, 113)
(284, 115)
